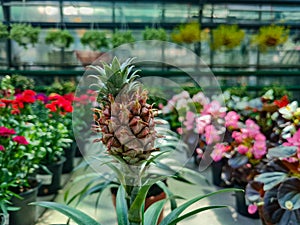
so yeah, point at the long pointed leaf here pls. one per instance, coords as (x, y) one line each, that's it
(121, 207)
(176, 212)
(153, 212)
(136, 206)
(196, 211)
(76, 215)
(169, 194)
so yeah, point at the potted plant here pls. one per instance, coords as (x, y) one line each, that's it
(269, 37)
(275, 191)
(131, 156)
(121, 37)
(61, 39)
(24, 34)
(97, 42)
(155, 34)
(225, 40)
(3, 31)
(52, 137)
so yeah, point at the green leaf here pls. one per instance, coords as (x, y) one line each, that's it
(153, 212)
(79, 217)
(169, 194)
(289, 194)
(270, 179)
(121, 207)
(281, 152)
(135, 210)
(196, 211)
(176, 212)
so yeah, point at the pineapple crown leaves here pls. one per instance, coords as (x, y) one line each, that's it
(112, 78)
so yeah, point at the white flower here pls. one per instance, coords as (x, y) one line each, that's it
(288, 111)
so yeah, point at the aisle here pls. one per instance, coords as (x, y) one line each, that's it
(105, 213)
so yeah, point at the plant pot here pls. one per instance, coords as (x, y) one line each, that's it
(4, 219)
(50, 182)
(217, 169)
(69, 154)
(241, 204)
(155, 194)
(27, 214)
(88, 57)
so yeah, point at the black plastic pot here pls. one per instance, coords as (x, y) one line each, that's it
(241, 205)
(50, 182)
(69, 154)
(27, 214)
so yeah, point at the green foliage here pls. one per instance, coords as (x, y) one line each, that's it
(3, 31)
(61, 87)
(189, 33)
(94, 39)
(155, 34)
(227, 37)
(240, 91)
(21, 82)
(121, 37)
(277, 91)
(270, 37)
(59, 38)
(24, 34)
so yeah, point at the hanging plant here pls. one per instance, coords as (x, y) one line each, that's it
(270, 37)
(189, 33)
(155, 34)
(24, 34)
(227, 37)
(94, 39)
(59, 38)
(122, 37)
(3, 31)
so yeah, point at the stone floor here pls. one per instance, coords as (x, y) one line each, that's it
(105, 212)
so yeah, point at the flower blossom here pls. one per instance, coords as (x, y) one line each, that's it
(201, 123)
(214, 109)
(284, 101)
(231, 120)
(219, 150)
(6, 132)
(2, 148)
(189, 122)
(211, 134)
(294, 141)
(20, 140)
(288, 111)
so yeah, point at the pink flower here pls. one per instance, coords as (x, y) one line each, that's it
(242, 149)
(294, 141)
(6, 132)
(214, 109)
(189, 123)
(2, 148)
(199, 152)
(252, 128)
(201, 123)
(20, 140)
(260, 137)
(259, 149)
(211, 134)
(252, 208)
(238, 136)
(200, 98)
(218, 151)
(179, 130)
(231, 119)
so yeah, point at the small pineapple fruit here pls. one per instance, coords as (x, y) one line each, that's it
(124, 118)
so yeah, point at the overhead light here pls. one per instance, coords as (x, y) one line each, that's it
(50, 10)
(70, 10)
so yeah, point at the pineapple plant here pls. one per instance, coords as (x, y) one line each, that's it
(124, 117)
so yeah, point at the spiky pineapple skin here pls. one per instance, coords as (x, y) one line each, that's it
(125, 119)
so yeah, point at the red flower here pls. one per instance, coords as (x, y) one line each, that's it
(2, 148)
(15, 111)
(7, 101)
(20, 140)
(6, 132)
(284, 101)
(69, 97)
(28, 96)
(2, 105)
(52, 107)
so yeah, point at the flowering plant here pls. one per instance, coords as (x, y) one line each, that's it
(18, 162)
(275, 191)
(128, 131)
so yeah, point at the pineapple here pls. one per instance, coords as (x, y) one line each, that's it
(124, 118)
